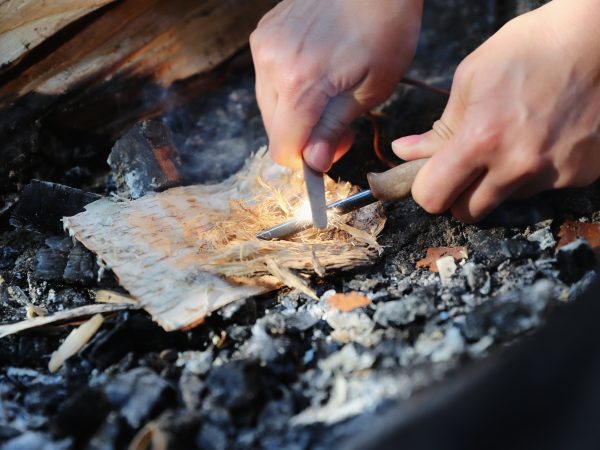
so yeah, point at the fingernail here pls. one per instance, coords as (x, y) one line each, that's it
(318, 156)
(406, 141)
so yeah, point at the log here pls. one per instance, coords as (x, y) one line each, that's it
(87, 70)
(132, 50)
(24, 24)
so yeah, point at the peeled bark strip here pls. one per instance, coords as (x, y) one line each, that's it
(62, 317)
(188, 251)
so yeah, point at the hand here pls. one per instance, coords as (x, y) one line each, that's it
(523, 116)
(320, 64)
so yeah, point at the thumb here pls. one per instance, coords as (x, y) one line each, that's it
(330, 137)
(427, 144)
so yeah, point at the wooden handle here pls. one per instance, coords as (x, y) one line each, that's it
(396, 183)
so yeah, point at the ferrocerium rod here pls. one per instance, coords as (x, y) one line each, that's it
(340, 207)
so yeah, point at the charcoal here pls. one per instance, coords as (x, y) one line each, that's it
(8, 432)
(197, 363)
(81, 266)
(574, 260)
(69, 298)
(139, 394)
(235, 384)
(439, 347)
(261, 346)
(510, 314)
(492, 251)
(352, 327)
(7, 257)
(145, 159)
(108, 435)
(402, 312)
(191, 388)
(212, 437)
(43, 205)
(301, 321)
(36, 441)
(76, 418)
(40, 392)
(347, 360)
(276, 413)
(476, 276)
(50, 264)
(543, 237)
(239, 333)
(579, 287)
(131, 333)
(242, 312)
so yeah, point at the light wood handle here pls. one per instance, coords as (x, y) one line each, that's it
(396, 183)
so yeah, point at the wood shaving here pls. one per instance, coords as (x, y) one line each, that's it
(348, 302)
(61, 318)
(571, 230)
(187, 251)
(435, 253)
(74, 342)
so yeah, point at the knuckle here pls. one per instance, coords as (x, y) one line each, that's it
(278, 156)
(485, 139)
(431, 204)
(332, 124)
(463, 71)
(531, 165)
(295, 77)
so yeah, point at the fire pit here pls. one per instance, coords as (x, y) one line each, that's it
(383, 348)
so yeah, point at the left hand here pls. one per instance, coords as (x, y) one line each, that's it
(523, 115)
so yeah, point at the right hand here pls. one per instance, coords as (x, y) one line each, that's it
(321, 64)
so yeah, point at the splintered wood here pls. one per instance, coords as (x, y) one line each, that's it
(188, 251)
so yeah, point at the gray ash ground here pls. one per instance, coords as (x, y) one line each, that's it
(282, 371)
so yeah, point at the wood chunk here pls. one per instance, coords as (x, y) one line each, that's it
(50, 264)
(145, 159)
(572, 230)
(81, 266)
(43, 205)
(349, 301)
(435, 253)
(446, 268)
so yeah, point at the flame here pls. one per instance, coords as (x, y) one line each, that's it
(303, 211)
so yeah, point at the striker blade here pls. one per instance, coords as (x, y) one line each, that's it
(315, 187)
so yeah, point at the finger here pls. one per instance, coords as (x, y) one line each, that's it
(326, 143)
(292, 124)
(344, 145)
(483, 196)
(427, 144)
(542, 182)
(267, 102)
(419, 145)
(446, 175)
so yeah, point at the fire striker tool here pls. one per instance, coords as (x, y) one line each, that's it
(315, 188)
(392, 185)
(295, 226)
